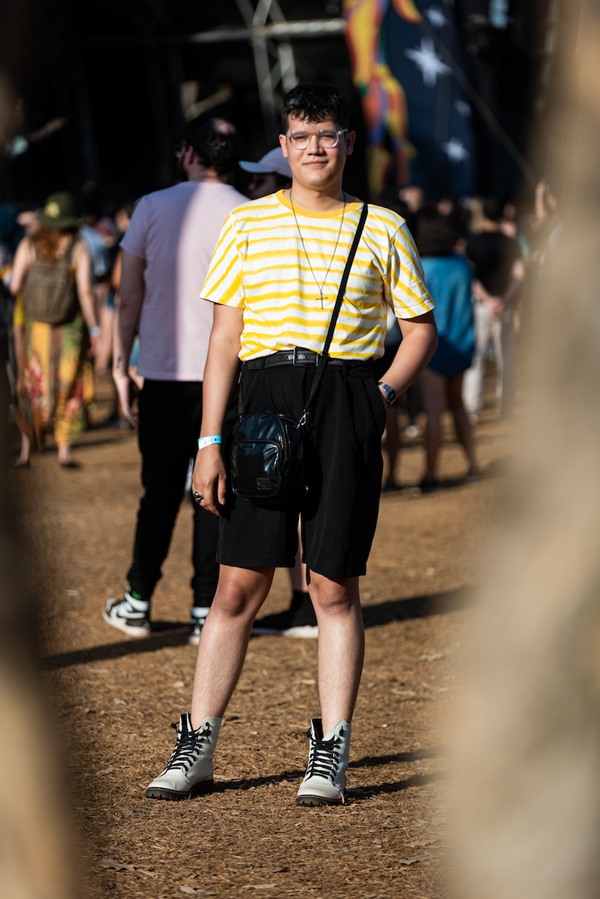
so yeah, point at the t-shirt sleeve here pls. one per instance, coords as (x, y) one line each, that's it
(406, 288)
(134, 239)
(223, 282)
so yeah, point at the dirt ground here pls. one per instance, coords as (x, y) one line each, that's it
(115, 697)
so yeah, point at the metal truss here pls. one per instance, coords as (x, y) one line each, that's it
(273, 56)
(270, 35)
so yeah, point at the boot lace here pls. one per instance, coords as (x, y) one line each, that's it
(188, 747)
(323, 757)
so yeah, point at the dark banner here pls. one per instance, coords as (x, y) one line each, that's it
(452, 90)
(408, 66)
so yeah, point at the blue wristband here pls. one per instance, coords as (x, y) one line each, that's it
(207, 441)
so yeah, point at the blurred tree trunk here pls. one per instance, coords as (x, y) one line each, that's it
(528, 735)
(37, 850)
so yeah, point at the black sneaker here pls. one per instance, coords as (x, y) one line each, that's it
(128, 614)
(297, 621)
(424, 487)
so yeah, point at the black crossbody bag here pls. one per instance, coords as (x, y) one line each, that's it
(267, 452)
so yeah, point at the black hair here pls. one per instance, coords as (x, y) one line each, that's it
(492, 208)
(315, 101)
(215, 141)
(435, 234)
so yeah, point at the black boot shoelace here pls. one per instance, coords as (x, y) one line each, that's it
(189, 743)
(323, 757)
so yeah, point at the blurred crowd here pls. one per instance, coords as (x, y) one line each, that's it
(482, 258)
(52, 374)
(483, 305)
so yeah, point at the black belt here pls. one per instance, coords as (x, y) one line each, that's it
(305, 358)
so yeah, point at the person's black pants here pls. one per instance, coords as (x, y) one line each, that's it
(170, 413)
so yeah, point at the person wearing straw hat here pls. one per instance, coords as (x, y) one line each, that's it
(54, 355)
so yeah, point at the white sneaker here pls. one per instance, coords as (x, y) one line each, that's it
(299, 620)
(325, 779)
(190, 768)
(197, 620)
(129, 615)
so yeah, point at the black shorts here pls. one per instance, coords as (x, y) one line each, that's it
(344, 466)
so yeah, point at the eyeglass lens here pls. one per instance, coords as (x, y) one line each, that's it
(327, 139)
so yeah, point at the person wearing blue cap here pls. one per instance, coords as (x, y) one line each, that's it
(272, 173)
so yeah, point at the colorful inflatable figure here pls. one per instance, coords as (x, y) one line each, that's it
(383, 98)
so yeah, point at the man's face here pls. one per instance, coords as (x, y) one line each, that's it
(316, 166)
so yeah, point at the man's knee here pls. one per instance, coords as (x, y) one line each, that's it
(333, 597)
(241, 590)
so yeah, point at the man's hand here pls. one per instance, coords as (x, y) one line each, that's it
(209, 479)
(497, 306)
(127, 391)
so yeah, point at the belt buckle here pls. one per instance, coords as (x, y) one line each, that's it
(302, 356)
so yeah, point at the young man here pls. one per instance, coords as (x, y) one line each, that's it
(166, 253)
(274, 279)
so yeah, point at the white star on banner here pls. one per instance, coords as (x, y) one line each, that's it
(436, 17)
(455, 151)
(427, 60)
(462, 108)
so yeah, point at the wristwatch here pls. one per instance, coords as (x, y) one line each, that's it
(389, 392)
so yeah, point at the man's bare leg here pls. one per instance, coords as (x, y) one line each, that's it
(224, 640)
(341, 646)
(341, 653)
(221, 654)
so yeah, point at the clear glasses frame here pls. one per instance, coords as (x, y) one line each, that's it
(328, 139)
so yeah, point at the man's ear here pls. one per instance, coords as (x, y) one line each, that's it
(283, 145)
(350, 141)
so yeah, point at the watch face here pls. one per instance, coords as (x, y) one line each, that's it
(390, 393)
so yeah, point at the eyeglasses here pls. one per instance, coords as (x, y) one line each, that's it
(326, 139)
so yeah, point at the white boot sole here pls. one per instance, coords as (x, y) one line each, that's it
(175, 795)
(314, 801)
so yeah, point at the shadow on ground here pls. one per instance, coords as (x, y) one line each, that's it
(168, 634)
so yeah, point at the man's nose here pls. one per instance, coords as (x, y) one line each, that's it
(314, 144)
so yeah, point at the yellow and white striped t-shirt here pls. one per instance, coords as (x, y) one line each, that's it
(260, 265)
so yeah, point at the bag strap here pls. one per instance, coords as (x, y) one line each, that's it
(66, 259)
(334, 315)
(344, 281)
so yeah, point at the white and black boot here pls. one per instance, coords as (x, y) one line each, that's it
(325, 779)
(190, 769)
